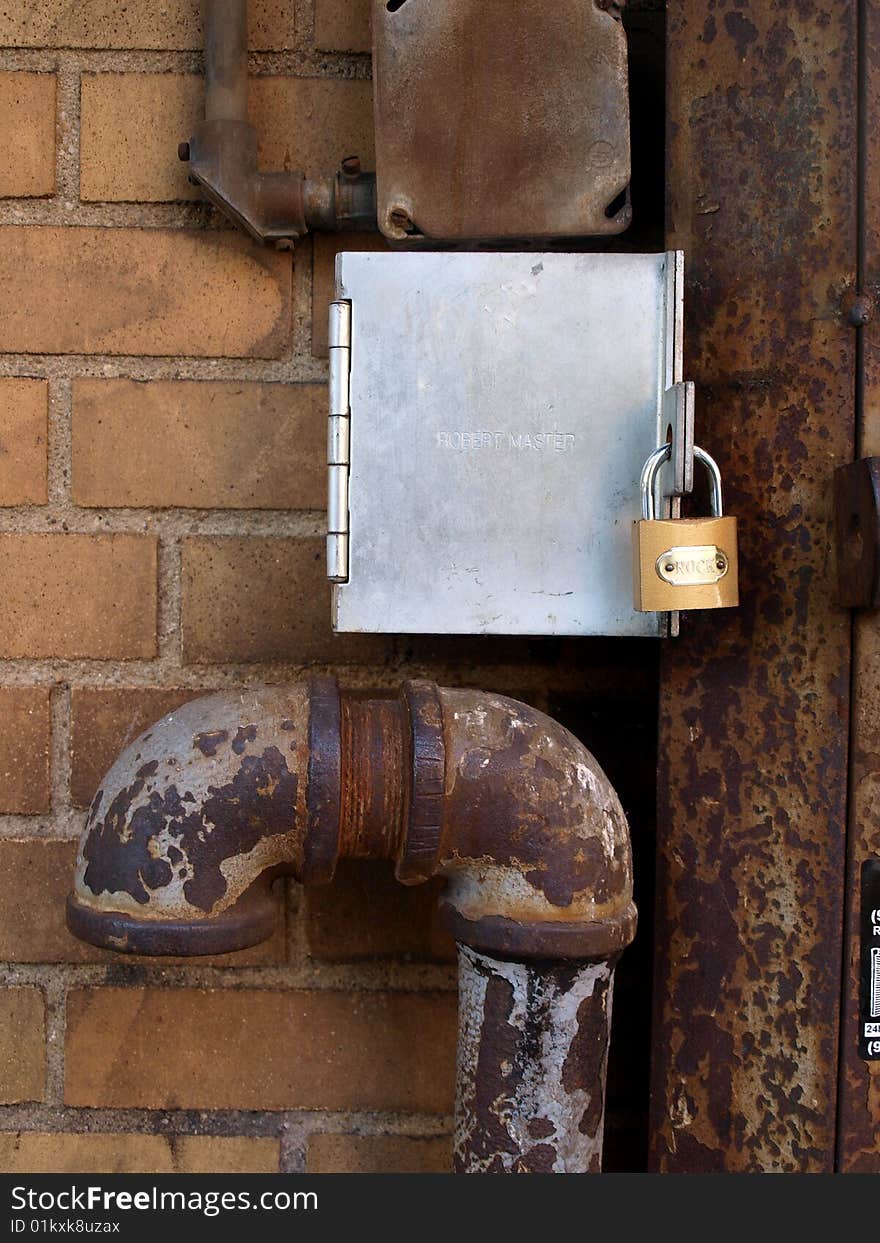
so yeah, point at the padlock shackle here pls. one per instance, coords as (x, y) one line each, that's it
(650, 471)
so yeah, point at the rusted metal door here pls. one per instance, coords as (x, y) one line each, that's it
(762, 128)
(859, 1105)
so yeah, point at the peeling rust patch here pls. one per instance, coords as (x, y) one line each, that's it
(243, 735)
(498, 1075)
(210, 743)
(125, 854)
(118, 853)
(585, 1066)
(533, 1047)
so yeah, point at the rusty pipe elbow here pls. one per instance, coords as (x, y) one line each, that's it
(193, 823)
(519, 818)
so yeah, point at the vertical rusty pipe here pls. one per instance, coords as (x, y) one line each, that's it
(532, 1054)
(226, 73)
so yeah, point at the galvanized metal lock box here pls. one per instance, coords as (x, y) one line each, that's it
(490, 415)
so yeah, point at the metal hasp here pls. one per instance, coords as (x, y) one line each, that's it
(201, 813)
(492, 125)
(276, 207)
(490, 414)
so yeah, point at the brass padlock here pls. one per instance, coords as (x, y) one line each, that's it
(684, 563)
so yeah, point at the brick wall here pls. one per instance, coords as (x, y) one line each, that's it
(162, 396)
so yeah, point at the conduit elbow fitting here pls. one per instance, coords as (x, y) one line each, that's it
(275, 207)
(222, 158)
(198, 817)
(533, 841)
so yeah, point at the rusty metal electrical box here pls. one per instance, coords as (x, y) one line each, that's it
(490, 415)
(499, 120)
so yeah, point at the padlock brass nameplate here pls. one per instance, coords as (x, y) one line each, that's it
(692, 567)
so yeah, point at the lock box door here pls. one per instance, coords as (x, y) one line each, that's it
(501, 407)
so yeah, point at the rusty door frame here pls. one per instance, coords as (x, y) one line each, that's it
(754, 705)
(858, 1120)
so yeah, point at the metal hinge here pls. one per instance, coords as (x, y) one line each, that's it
(338, 442)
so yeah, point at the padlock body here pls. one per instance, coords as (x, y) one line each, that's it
(685, 563)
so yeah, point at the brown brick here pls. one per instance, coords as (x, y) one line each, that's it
(103, 722)
(263, 600)
(27, 134)
(366, 913)
(22, 1045)
(327, 247)
(146, 24)
(69, 596)
(221, 1155)
(343, 25)
(378, 1154)
(39, 1153)
(35, 879)
(132, 123)
(243, 1049)
(203, 445)
(142, 291)
(24, 750)
(23, 438)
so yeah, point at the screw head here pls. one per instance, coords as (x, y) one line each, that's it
(400, 218)
(860, 310)
(183, 152)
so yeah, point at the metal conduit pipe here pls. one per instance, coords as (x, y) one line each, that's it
(226, 70)
(197, 818)
(276, 207)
